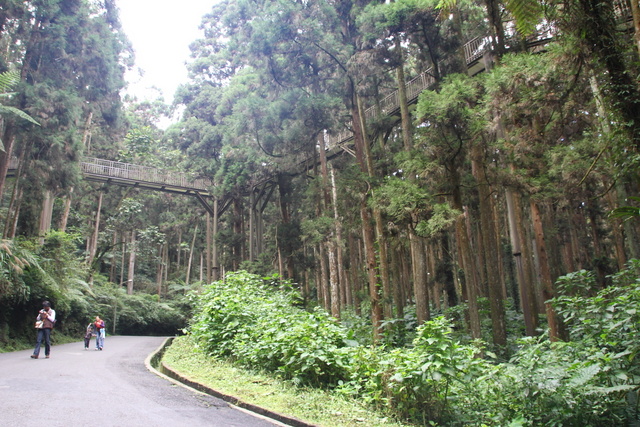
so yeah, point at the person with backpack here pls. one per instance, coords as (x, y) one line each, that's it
(100, 332)
(87, 335)
(44, 324)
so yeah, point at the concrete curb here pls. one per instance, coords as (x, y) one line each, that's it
(154, 359)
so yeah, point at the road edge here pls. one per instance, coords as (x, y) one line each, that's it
(155, 359)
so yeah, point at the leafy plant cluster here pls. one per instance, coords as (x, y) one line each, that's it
(32, 271)
(250, 321)
(591, 380)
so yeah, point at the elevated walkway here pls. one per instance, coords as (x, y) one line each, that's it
(144, 177)
(130, 175)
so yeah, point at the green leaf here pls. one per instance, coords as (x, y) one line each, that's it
(6, 110)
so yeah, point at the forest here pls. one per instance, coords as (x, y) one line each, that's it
(433, 204)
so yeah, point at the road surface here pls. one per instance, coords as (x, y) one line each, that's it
(109, 388)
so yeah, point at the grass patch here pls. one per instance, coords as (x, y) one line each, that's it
(314, 406)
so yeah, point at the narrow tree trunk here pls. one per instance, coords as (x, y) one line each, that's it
(342, 275)
(16, 214)
(66, 211)
(365, 161)
(112, 269)
(214, 256)
(527, 298)
(491, 248)
(132, 263)
(160, 269)
(399, 279)
(468, 263)
(189, 263)
(323, 286)
(93, 246)
(545, 272)
(252, 225)
(333, 280)
(122, 258)
(179, 255)
(45, 214)
(8, 140)
(420, 290)
(354, 269)
(209, 264)
(237, 255)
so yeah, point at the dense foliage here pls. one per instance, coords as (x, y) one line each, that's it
(436, 379)
(33, 272)
(456, 182)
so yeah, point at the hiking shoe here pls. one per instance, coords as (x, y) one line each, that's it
(46, 357)
(33, 356)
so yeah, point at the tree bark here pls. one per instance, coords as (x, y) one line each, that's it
(491, 249)
(189, 263)
(527, 298)
(66, 211)
(364, 159)
(132, 263)
(545, 273)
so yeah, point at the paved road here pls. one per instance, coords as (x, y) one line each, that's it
(109, 388)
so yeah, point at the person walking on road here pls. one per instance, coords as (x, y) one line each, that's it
(87, 335)
(100, 332)
(44, 324)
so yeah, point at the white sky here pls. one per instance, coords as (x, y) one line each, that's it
(160, 32)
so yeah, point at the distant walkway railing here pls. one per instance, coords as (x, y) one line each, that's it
(473, 49)
(111, 169)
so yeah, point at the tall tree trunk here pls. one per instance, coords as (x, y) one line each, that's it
(66, 211)
(214, 256)
(333, 280)
(354, 270)
(8, 139)
(323, 287)
(342, 275)
(399, 279)
(420, 289)
(491, 248)
(191, 249)
(252, 225)
(545, 272)
(93, 240)
(364, 159)
(113, 268)
(466, 257)
(160, 269)
(527, 297)
(237, 255)
(93, 247)
(132, 263)
(420, 286)
(46, 213)
(123, 238)
(16, 196)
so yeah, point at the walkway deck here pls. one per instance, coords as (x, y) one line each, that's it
(130, 175)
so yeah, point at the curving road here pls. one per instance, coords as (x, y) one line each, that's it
(110, 388)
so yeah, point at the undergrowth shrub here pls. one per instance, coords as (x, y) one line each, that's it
(249, 320)
(442, 378)
(415, 383)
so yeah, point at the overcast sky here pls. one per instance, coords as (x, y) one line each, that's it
(161, 31)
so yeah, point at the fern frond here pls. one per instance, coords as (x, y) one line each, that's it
(4, 109)
(8, 80)
(527, 14)
(447, 5)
